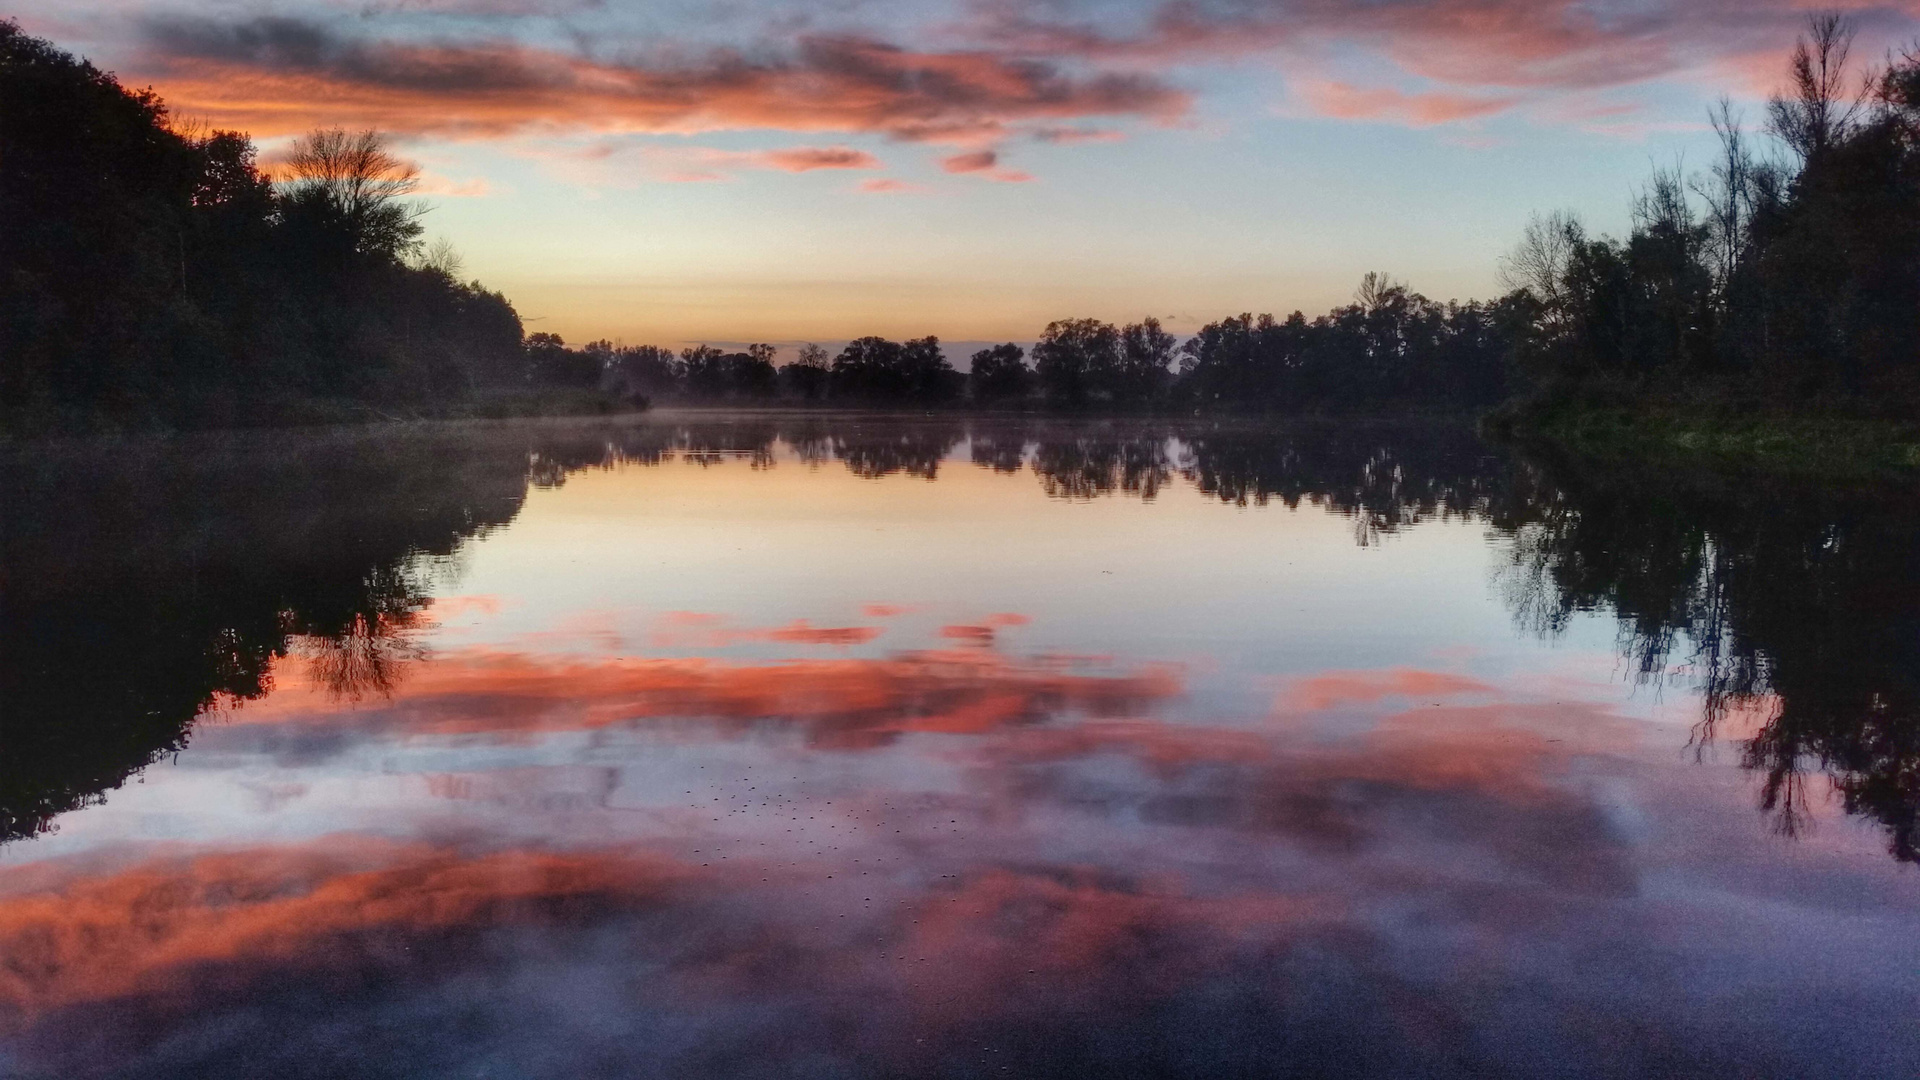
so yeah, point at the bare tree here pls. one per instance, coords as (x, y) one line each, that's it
(441, 258)
(356, 177)
(1538, 264)
(1378, 292)
(1728, 190)
(1662, 208)
(812, 356)
(1818, 110)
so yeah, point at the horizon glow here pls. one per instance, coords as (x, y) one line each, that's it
(679, 172)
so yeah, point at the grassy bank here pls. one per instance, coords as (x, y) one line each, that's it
(1812, 446)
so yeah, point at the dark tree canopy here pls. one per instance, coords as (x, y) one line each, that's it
(1788, 282)
(154, 274)
(1000, 373)
(873, 369)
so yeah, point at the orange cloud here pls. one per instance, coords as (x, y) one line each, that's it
(279, 75)
(195, 936)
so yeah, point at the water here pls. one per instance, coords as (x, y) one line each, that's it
(734, 746)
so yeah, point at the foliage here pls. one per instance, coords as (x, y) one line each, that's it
(1391, 347)
(873, 369)
(1001, 374)
(151, 273)
(1789, 283)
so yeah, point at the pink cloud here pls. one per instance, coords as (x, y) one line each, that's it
(984, 163)
(1070, 135)
(808, 158)
(976, 161)
(1347, 102)
(887, 187)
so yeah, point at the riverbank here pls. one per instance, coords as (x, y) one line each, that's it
(1809, 446)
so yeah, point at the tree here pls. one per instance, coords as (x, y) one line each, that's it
(751, 374)
(1819, 112)
(1801, 280)
(1075, 361)
(352, 177)
(1145, 362)
(95, 209)
(806, 377)
(1000, 374)
(878, 370)
(706, 372)
(648, 371)
(1538, 264)
(930, 379)
(149, 270)
(551, 363)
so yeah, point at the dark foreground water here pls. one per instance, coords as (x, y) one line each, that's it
(815, 747)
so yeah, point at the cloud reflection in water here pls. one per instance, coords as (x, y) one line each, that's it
(962, 862)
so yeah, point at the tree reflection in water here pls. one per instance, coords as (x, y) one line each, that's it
(1793, 606)
(145, 584)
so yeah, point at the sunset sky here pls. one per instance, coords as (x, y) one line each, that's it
(734, 170)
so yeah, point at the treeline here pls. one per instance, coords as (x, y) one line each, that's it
(1788, 278)
(1391, 348)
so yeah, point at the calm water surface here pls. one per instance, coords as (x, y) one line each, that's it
(735, 746)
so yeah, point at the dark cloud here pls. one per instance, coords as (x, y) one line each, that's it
(273, 75)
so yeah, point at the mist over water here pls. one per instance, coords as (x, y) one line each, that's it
(733, 745)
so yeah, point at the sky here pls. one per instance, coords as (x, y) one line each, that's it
(676, 171)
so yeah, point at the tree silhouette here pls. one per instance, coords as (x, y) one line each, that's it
(1000, 374)
(807, 376)
(1773, 283)
(351, 177)
(1075, 361)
